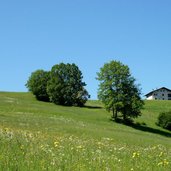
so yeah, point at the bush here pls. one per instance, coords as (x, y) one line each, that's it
(164, 120)
(37, 84)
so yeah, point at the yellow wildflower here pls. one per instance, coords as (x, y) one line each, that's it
(165, 162)
(135, 154)
(56, 143)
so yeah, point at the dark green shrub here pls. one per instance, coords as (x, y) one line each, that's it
(37, 84)
(164, 120)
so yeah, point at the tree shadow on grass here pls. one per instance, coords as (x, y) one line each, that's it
(144, 127)
(92, 107)
(151, 130)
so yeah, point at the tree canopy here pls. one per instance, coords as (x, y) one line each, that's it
(65, 86)
(37, 84)
(118, 91)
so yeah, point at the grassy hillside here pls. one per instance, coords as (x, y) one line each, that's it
(42, 136)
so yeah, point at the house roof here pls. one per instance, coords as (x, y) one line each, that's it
(148, 94)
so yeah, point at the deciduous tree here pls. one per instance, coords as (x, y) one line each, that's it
(118, 91)
(65, 86)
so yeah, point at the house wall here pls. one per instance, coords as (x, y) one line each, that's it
(161, 94)
(150, 97)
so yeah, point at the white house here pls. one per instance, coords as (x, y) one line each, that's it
(159, 94)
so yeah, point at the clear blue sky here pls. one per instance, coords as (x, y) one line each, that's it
(38, 34)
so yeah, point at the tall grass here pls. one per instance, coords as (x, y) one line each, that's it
(42, 136)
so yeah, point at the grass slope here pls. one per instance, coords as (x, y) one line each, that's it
(42, 136)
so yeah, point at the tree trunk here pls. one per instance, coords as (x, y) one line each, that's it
(115, 113)
(124, 117)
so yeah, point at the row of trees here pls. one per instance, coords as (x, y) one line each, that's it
(63, 85)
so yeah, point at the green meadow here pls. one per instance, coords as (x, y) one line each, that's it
(37, 136)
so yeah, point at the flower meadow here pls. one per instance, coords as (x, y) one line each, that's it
(37, 136)
(24, 150)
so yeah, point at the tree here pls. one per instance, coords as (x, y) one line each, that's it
(65, 86)
(37, 84)
(164, 120)
(118, 91)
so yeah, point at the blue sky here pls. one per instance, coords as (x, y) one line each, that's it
(38, 34)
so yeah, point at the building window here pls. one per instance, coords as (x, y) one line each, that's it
(169, 95)
(162, 94)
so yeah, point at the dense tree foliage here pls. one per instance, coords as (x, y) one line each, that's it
(37, 84)
(118, 91)
(164, 120)
(65, 86)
